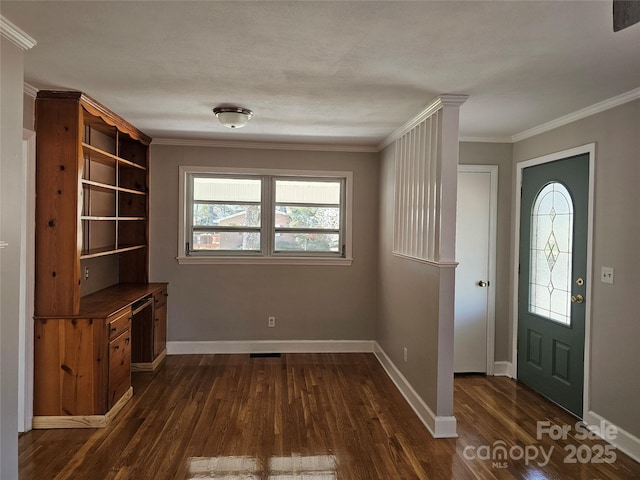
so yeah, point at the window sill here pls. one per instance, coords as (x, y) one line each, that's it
(250, 260)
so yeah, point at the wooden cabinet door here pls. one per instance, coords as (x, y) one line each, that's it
(69, 367)
(119, 367)
(159, 322)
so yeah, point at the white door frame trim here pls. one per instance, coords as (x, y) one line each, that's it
(590, 149)
(492, 170)
(27, 283)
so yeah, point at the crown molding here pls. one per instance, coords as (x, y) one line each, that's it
(580, 114)
(452, 99)
(444, 100)
(16, 35)
(265, 145)
(30, 90)
(486, 139)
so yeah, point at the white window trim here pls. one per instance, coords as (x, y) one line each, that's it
(279, 259)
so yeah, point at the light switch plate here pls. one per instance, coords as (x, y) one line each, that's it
(607, 275)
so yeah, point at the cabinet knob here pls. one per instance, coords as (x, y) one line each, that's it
(116, 347)
(113, 329)
(127, 340)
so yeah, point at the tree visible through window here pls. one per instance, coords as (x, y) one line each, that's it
(310, 213)
(226, 213)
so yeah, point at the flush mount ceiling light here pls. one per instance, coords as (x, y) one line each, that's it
(233, 117)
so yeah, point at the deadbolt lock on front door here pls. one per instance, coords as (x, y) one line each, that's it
(579, 281)
(482, 283)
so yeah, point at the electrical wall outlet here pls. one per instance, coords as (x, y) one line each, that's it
(86, 273)
(406, 354)
(607, 275)
(272, 322)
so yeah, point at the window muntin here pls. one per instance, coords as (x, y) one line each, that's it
(268, 216)
(550, 254)
(308, 216)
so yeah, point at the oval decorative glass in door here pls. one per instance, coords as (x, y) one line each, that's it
(550, 254)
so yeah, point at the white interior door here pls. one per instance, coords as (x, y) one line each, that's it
(475, 253)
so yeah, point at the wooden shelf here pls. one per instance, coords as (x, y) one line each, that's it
(101, 252)
(128, 190)
(114, 188)
(105, 187)
(100, 156)
(99, 219)
(113, 219)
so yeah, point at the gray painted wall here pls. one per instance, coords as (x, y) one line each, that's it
(408, 301)
(28, 120)
(499, 154)
(11, 194)
(615, 356)
(232, 302)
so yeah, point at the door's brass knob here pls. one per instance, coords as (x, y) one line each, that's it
(482, 283)
(577, 298)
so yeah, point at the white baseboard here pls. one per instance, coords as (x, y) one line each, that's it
(438, 426)
(270, 346)
(625, 442)
(503, 369)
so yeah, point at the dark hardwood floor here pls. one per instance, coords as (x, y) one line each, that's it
(312, 417)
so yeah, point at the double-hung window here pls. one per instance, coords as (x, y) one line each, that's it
(264, 216)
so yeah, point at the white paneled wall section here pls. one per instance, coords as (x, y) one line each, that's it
(426, 159)
(416, 194)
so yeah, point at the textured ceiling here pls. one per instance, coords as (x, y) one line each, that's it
(329, 72)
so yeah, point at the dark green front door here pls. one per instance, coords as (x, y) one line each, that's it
(553, 281)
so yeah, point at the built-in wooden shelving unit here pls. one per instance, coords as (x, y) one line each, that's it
(92, 201)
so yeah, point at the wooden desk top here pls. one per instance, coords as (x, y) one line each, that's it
(110, 300)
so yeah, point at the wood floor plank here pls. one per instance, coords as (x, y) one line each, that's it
(316, 416)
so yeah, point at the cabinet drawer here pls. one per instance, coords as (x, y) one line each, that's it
(118, 323)
(119, 367)
(160, 298)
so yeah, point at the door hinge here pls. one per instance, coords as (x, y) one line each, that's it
(344, 251)
(186, 250)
